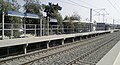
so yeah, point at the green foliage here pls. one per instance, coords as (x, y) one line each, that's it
(52, 12)
(9, 5)
(75, 16)
(60, 21)
(45, 26)
(14, 6)
(34, 7)
(70, 22)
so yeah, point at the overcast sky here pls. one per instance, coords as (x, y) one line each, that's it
(111, 6)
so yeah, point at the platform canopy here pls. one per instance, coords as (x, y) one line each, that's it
(14, 13)
(29, 15)
(19, 14)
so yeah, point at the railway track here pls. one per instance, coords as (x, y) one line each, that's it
(95, 56)
(16, 60)
(67, 56)
(58, 55)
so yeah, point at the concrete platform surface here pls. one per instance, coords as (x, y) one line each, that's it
(112, 57)
(20, 41)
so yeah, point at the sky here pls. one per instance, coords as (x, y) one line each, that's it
(69, 7)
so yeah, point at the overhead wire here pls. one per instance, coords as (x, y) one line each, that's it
(82, 6)
(74, 3)
(67, 2)
(113, 6)
(116, 4)
(87, 3)
(79, 4)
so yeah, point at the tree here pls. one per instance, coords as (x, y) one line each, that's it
(52, 11)
(74, 25)
(75, 16)
(34, 7)
(10, 5)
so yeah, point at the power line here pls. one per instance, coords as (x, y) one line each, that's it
(113, 6)
(86, 3)
(83, 6)
(79, 4)
(116, 4)
(67, 3)
(75, 4)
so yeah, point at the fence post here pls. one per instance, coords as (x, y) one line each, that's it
(25, 30)
(43, 30)
(48, 24)
(67, 29)
(63, 30)
(57, 29)
(11, 31)
(35, 30)
(51, 30)
(3, 25)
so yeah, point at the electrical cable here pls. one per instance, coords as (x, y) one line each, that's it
(113, 6)
(87, 3)
(116, 4)
(79, 4)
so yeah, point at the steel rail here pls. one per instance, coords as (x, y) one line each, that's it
(52, 54)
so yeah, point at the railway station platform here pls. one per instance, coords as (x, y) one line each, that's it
(23, 45)
(112, 57)
(19, 41)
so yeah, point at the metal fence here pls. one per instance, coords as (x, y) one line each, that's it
(12, 30)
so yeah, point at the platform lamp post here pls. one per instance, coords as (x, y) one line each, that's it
(113, 24)
(98, 12)
(90, 19)
(3, 14)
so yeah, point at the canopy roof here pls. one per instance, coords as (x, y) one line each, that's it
(29, 15)
(19, 14)
(14, 13)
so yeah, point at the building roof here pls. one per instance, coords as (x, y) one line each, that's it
(53, 20)
(74, 21)
(65, 21)
(85, 21)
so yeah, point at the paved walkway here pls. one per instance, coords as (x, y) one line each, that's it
(112, 57)
(19, 41)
